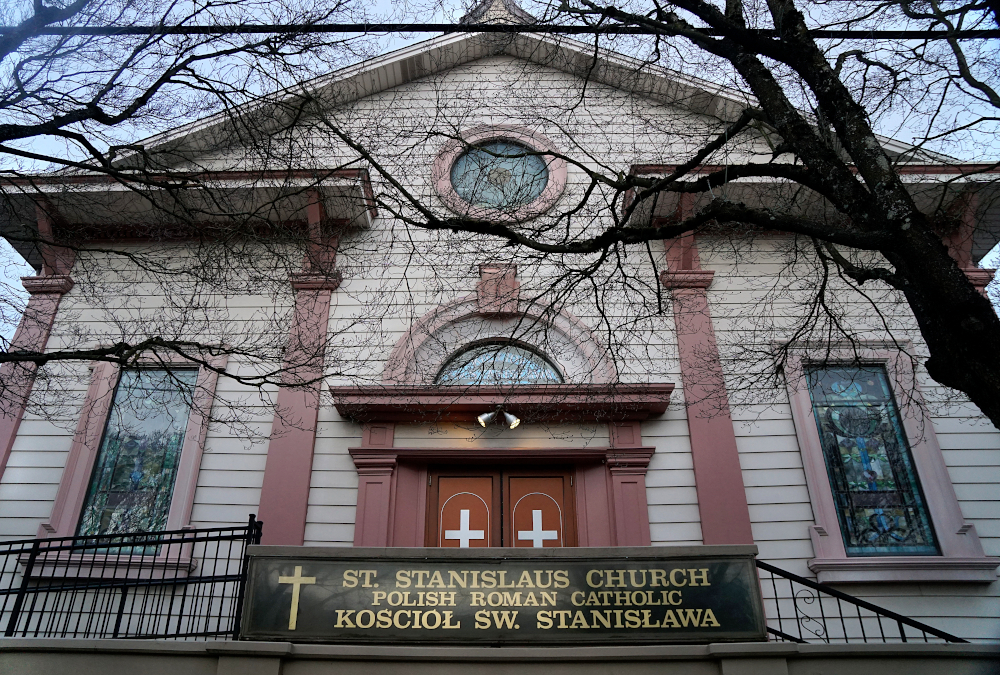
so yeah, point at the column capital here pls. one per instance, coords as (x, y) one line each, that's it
(306, 281)
(374, 463)
(632, 460)
(50, 283)
(687, 279)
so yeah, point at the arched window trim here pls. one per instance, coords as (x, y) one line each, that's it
(477, 344)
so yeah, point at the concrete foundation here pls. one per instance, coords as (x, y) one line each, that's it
(21, 656)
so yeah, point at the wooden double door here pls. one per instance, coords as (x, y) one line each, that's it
(478, 508)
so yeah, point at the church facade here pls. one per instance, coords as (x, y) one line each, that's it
(444, 397)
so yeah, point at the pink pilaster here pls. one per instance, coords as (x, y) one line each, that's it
(284, 495)
(722, 502)
(17, 379)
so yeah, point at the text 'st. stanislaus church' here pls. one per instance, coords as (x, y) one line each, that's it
(453, 401)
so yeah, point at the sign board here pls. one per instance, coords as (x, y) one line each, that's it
(503, 595)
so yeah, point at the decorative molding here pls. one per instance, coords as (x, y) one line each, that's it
(454, 148)
(554, 403)
(304, 281)
(681, 279)
(56, 283)
(980, 277)
(905, 569)
(498, 289)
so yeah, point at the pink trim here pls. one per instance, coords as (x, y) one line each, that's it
(958, 540)
(722, 501)
(980, 277)
(87, 440)
(610, 490)
(498, 289)
(375, 497)
(626, 434)
(628, 489)
(31, 336)
(441, 173)
(381, 435)
(284, 495)
(400, 368)
(551, 403)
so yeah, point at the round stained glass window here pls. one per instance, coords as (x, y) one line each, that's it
(498, 363)
(499, 174)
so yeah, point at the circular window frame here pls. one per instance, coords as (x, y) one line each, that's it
(455, 148)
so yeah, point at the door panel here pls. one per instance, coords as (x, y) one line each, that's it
(465, 510)
(538, 510)
(481, 508)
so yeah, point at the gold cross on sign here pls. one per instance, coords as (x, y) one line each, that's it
(296, 582)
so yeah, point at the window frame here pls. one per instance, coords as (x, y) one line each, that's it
(962, 557)
(86, 444)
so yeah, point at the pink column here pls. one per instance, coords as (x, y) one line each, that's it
(32, 332)
(627, 462)
(722, 501)
(284, 495)
(32, 335)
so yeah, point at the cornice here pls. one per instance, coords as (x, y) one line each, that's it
(55, 283)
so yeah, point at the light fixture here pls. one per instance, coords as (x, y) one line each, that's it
(485, 419)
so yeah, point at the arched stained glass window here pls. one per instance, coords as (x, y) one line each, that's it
(498, 363)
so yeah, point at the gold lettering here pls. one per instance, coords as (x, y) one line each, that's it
(621, 598)
(538, 578)
(478, 599)
(590, 578)
(427, 617)
(525, 580)
(618, 618)
(483, 619)
(489, 579)
(447, 599)
(649, 599)
(402, 579)
(638, 598)
(631, 577)
(447, 620)
(421, 575)
(365, 613)
(296, 581)
(377, 596)
(416, 618)
(658, 578)
(674, 579)
(344, 618)
(670, 597)
(350, 578)
(692, 616)
(632, 618)
(453, 578)
(709, 616)
(701, 573)
(398, 615)
(579, 621)
(436, 581)
(503, 580)
(562, 578)
(611, 576)
(385, 618)
(543, 616)
(572, 598)
(395, 598)
(670, 620)
(368, 574)
(604, 617)
(504, 618)
(498, 596)
(562, 614)
(512, 599)
(645, 619)
(549, 598)
(475, 579)
(530, 600)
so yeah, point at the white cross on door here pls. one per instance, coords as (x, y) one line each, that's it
(464, 534)
(536, 534)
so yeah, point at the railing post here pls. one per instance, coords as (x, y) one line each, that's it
(22, 592)
(121, 611)
(254, 529)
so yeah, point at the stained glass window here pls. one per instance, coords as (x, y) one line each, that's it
(499, 175)
(133, 478)
(498, 363)
(876, 490)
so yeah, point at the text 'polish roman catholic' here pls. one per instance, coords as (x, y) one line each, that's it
(503, 600)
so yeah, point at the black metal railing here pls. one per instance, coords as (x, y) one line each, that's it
(179, 584)
(801, 610)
